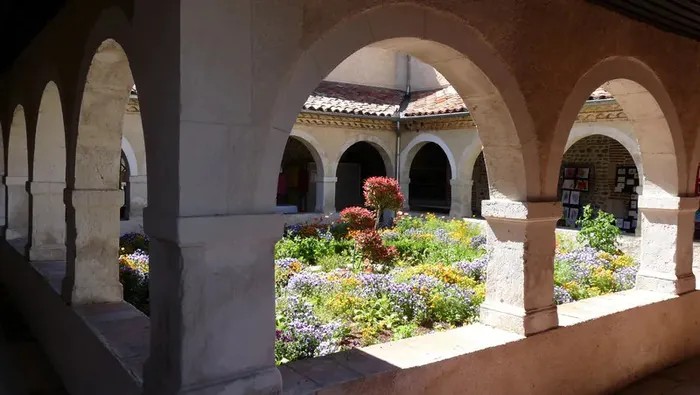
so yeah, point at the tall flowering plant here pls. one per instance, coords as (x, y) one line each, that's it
(382, 193)
(357, 218)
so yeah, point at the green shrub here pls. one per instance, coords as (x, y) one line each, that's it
(598, 230)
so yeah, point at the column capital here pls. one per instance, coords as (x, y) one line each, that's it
(675, 203)
(201, 230)
(15, 180)
(93, 197)
(45, 187)
(141, 179)
(508, 210)
(455, 182)
(327, 179)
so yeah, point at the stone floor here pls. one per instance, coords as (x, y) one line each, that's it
(24, 368)
(681, 379)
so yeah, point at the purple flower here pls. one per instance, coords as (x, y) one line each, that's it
(561, 295)
(306, 282)
(477, 241)
(625, 277)
(475, 269)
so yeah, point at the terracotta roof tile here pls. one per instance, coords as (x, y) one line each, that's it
(354, 99)
(440, 101)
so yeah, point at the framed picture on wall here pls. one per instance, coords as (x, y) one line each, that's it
(619, 222)
(633, 204)
(626, 225)
(573, 214)
(568, 184)
(582, 172)
(632, 171)
(569, 172)
(621, 179)
(565, 196)
(574, 198)
(620, 172)
(566, 213)
(582, 185)
(634, 224)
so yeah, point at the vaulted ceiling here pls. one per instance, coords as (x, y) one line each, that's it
(676, 16)
(22, 20)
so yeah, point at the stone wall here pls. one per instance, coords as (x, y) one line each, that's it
(603, 155)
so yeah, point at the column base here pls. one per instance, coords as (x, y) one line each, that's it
(47, 253)
(665, 282)
(264, 382)
(517, 320)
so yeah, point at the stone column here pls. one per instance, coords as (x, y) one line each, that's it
(666, 254)
(212, 309)
(17, 207)
(520, 274)
(325, 194)
(405, 184)
(48, 241)
(461, 206)
(92, 246)
(138, 195)
(638, 229)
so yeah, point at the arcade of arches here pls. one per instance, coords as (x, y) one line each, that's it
(262, 108)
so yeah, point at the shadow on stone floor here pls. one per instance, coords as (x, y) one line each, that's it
(24, 368)
(681, 379)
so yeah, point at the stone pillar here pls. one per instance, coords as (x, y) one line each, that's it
(405, 184)
(520, 274)
(17, 207)
(638, 229)
(666, 254)
(461, 206)
(92, 245)
(48, 241)
(138, 199)
(325, 194)
(212, 310)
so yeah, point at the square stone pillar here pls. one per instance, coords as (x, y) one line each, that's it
(48, 239)
(92, 246)
(212, 305)
(666, 256)
(520, 273)
(138, 195)
(461, 206)
(405, 184)
(325, 194)
(17, 207)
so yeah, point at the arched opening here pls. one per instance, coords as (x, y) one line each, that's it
(599, 171)
(480, 186)
(95, 186)
(430, 175)
(48, 180)
(296, 187)
(124, 176)
(358, 163)
(17, 177)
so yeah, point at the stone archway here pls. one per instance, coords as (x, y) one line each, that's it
(301, 166)
(49, 180)
(358, 162)
(95, 194)
(430, 175)
(17, 177)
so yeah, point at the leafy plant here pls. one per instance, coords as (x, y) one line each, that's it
(598, 230)
(357, 218)
(382, 193)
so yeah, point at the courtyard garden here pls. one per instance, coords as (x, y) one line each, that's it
(354, 282)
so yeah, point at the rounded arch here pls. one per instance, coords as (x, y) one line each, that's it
(460, 53)
(17, 149)
(50, 141)
(98, 144)
(579, 132)
(376, 142)
(314, 147)
(130, 157)
(409, 153)
(648, 106)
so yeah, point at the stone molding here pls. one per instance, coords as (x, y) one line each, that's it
(521, 211)
(605, 111)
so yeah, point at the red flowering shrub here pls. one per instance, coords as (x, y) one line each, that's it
(382, 193)
(370, 244)
(357, 218)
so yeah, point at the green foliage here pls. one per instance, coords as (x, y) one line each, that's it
(404, 331)
(307, 249)
(598, 230)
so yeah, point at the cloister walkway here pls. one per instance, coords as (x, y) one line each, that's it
(24, 368)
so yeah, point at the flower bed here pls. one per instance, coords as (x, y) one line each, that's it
(343, 285)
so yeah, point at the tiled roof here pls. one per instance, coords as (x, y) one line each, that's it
(354, 99)
(440, 101)
(338, 97)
